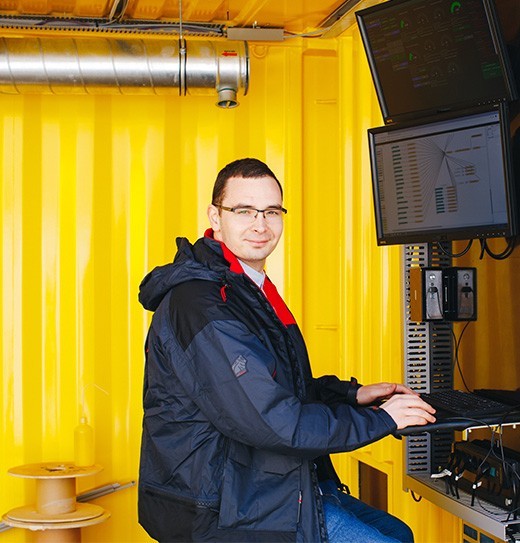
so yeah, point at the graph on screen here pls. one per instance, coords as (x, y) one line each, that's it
(441, 176)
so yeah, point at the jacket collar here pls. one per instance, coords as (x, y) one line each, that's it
(234, 264)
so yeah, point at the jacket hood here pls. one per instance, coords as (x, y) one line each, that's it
(202, 260)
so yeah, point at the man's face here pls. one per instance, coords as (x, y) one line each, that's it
(250, 241)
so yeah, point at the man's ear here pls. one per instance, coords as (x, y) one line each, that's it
(214, 217)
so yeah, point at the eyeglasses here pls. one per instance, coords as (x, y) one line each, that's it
(249, 214)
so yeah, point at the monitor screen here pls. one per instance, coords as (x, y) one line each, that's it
(431, 56)
(444, 180)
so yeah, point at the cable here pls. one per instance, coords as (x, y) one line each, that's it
(511, 244)
(414, 497)
(455, 255)
(118, 10)
(482, 249)
(509, 480)
(106, 25)
(456, 354)
(314, 34)
(180, 21)
(509, 470)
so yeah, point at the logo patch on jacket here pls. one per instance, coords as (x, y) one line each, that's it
(239, 366)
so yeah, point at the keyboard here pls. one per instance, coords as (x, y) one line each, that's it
(509, 397)
(465, 404)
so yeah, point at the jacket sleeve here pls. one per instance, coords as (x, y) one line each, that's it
(332, 391)
(228, 373)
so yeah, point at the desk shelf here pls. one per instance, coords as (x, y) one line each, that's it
(485, 515)
(428, 366)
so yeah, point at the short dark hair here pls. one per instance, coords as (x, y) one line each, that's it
(243, 167)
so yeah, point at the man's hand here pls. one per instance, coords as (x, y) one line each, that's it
(400, 402)
(370, 394)
(409, 410)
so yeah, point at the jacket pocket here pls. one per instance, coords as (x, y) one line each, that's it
(171, 519)
(261, 491)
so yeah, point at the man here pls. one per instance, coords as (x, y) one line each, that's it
(236, 431)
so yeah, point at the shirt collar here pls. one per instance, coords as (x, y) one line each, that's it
(254, 275)
(237, 265)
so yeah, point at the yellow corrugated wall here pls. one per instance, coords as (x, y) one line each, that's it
(94, 191)
(351, 288)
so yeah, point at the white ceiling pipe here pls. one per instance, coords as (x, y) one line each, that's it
(99, 65)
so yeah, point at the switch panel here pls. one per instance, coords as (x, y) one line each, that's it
(459, 294)
(466, 294)
(433, 294)
(448, 294)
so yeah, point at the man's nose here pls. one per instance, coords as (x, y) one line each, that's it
(260, 221)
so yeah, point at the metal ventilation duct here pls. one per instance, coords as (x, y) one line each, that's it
(101, 65)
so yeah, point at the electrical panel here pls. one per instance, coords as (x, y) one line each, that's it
(447, 294)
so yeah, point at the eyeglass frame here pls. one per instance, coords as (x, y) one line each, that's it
(233, 209)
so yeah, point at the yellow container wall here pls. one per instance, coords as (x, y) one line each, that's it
(94, 191)
(352, 298)
(489, 353)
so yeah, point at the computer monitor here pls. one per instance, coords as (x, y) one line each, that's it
(444, 180)
(431, 56)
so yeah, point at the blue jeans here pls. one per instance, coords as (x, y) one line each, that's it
(349, 520)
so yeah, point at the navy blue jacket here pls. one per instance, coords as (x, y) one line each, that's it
(236, 431)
